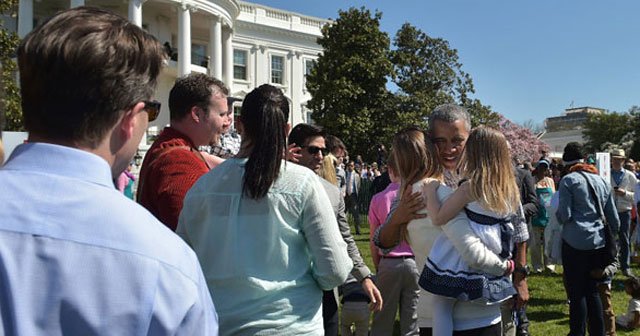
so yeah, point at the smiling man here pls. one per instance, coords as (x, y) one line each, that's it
(199, 115)
(449, 127)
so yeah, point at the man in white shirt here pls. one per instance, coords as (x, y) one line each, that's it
(623, 184)
(78, 257)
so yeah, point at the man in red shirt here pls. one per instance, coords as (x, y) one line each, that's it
(199, 114)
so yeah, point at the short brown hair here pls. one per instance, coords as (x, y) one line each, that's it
(81, 69)
(193, 90)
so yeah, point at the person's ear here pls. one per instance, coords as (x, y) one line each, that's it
(131, 119)
(196, 113)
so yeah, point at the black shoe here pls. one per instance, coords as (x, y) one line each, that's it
(522, 332)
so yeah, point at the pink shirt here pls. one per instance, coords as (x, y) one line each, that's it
(122, 182)
(378, 211)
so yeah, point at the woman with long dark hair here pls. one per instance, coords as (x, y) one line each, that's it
(264, 231)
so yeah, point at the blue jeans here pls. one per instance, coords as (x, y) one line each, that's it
(582, 290)
(623, 239)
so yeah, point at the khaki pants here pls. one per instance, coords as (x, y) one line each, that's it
(607, 309)
(355, 314)
(508, 325)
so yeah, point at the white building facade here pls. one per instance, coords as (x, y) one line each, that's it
(243, 44)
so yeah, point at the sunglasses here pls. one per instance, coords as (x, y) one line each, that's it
(313, 150)
(153, 109)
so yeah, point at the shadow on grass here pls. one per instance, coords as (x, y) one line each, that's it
(545, 316)
(546, 301)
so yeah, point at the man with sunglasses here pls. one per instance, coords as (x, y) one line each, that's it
(77, 256)
(311, 150)
(199, 115)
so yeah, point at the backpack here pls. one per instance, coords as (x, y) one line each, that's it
(544, 199)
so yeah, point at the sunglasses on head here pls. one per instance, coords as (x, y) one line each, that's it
(313, 150)
(153, 109)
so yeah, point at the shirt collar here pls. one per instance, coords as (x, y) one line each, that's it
(60, 160)
(172, 133)
(393, 186)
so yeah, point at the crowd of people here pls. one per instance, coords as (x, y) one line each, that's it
(249, 234)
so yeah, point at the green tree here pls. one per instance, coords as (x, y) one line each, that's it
(428, 73)
(634, 113)
(348, 83)
(10, 110)
(600, 129)
(481, 114)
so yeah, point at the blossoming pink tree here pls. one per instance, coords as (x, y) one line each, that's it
(525, 146)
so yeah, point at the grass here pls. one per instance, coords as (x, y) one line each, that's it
(548, 310)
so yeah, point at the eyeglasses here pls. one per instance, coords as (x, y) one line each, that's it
(313, 150)
(153, 109)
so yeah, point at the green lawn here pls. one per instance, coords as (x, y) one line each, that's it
(548, 310)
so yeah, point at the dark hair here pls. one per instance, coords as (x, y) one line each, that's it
(264, 116)
(634, 284)
(573, 152)
(332, 142)
(449, 113)
(81, 69)
(301, 134)
(193, 90)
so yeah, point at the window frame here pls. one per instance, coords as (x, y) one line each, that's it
(246, 65)
(283, 70)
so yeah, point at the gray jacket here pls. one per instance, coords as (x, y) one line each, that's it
(360, 269)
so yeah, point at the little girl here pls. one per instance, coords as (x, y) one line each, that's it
(631, 320)
(490, 198)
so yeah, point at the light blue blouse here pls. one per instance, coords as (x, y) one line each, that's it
(267, 260)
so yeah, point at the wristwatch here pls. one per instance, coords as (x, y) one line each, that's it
(370, 276)
(524, 270)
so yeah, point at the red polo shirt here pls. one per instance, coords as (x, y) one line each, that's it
(172, 165)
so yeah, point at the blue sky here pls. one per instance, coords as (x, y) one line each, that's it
(529, 59)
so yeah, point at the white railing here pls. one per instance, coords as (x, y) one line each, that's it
(247, 8)
(256, 11)
(278, 15)
(311, 22)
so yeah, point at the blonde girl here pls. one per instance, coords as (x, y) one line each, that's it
(415, 162)
(328, 169)
(490, 198)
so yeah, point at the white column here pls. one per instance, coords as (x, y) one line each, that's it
(261, 74)
(227, 72)
(294, 87)
(135, 12)
(25, 17)
(184, 40)
(76, 3)
(215, 48)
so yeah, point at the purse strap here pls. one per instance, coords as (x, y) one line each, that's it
(592, 191)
